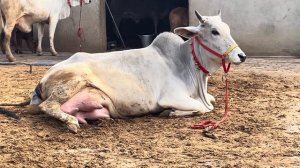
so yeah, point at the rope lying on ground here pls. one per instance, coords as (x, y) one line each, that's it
(27, 64)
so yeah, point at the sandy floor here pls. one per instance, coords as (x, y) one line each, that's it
(263, 130)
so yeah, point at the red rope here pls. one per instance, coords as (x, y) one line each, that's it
(226, 69)
(196, 58)
(208, 49)
(212, 124)
(69, 3)
(80, 32)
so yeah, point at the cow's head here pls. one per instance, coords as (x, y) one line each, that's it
(73, 3)
(216, 35)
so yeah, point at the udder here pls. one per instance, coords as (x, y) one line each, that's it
(86, 105)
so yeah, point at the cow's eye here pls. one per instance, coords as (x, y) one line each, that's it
(215, 32)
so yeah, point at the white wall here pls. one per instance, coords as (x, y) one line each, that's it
(260, 27)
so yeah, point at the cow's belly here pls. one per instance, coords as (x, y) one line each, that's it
(92, 104)
(130, 95)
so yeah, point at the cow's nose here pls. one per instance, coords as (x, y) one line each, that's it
(242, 57)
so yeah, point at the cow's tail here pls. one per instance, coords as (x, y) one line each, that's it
(9, 113)
(30, 109)
(21, 104)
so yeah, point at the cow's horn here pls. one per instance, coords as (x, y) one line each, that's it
(199, 16)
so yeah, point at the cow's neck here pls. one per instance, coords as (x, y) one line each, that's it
(199, 79)
(209, 61)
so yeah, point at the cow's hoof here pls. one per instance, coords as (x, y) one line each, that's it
(40, 53)
(73, 125)
(211, 99)
(18, 52)
(54, 53)
(165, 113)
(73, 128)
(11, 59)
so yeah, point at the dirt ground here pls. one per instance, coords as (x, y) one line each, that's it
(263, 129)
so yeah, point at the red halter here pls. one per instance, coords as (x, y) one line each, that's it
(213, 124)
(222, 56)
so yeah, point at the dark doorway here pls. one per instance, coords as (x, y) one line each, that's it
(138, 17)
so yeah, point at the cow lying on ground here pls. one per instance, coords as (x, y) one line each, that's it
(178, 17)
(160, 78)
(23, 13)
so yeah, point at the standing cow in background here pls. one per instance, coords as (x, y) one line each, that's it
(179, 17)
(23, 13)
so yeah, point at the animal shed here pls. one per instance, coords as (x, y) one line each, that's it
(132, 17)
(263, 129)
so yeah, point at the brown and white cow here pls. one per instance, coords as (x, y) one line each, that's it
(23, 13)
(159, 78)
(178, 17)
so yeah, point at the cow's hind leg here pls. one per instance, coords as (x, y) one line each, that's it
(52, 108)
(40, 28)
(52, 27)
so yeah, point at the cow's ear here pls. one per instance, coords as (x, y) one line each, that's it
(187, 32)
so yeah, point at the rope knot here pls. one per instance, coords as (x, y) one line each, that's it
(80, 33)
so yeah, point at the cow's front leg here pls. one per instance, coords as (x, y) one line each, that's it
(6, 42)
(182, 103)
(52, 27)
(178, 113)
(52, 108)
(211, 99)
(40, 29)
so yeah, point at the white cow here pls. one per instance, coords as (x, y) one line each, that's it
(160, 78)
(23, 13)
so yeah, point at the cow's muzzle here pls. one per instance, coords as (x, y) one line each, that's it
(242, 57)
